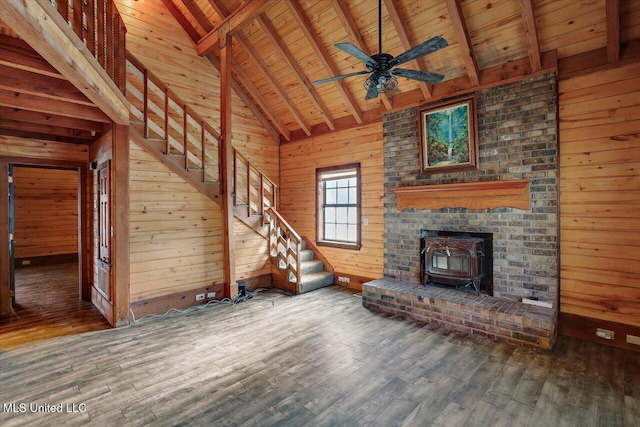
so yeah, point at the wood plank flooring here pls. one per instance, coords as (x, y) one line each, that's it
(48, 306)
(318, 359)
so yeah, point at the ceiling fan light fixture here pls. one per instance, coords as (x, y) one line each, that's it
(382, 83)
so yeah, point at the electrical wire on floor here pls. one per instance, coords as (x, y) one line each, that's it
(235, 300)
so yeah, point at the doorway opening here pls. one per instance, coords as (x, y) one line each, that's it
(45, 206)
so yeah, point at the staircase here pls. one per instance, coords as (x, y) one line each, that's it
(295, 268)
(178, 137)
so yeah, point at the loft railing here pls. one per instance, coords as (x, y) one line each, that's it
(252, 188)
(99, 25)
(284, 244)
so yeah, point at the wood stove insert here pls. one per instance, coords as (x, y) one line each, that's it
(454, 260)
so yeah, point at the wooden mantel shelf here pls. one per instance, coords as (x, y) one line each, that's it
(470, 195)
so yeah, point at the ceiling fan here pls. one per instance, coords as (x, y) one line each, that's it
(381, 65)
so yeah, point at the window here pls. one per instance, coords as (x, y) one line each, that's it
(339, 206)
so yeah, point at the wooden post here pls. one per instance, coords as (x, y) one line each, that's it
(226, 162)
(120, 224)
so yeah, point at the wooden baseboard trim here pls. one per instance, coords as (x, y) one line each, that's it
(585, 328)
(355, 282)
(179, 300)
(46, 260)
(253, 283)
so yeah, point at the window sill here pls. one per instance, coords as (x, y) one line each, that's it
(339, 245)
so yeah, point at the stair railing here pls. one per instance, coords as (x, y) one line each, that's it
(251, 187)
(165, 117)
(284, 244)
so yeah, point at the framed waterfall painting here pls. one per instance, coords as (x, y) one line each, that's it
(449, 136)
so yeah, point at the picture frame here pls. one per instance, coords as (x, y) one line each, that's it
(449, 136)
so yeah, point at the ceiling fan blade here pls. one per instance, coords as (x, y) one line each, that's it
(372, 92)
(343, 76)
(355, 52)
(422, 49)
(423, 76)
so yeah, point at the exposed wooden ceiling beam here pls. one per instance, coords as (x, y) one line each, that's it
(27, 101)
(323, 55)
(182, 20)
(509, 72)
(215, 61)
(349, 24)
(223, 12)
(18, 54)
(613, 30)
(42, 85)
(273, 82)
(464, 41)
(39, 24)
(529, 22)
(400, 25)
(45, 129)
(232, 24)
(28, 135)
(246, 81)
(295, 68)
(220, 8)
(52, 120)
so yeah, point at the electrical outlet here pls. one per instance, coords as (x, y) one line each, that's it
(605, 333)
(632, 339)
(211, 294)
(26, 262)
(199, 297)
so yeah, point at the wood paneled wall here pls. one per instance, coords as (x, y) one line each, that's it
(176, 232)
(299, 161)
(158, 41)
(251, 253)
(600, 195)
(46, 212)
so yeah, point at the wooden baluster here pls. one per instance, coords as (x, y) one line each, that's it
(274, 189)
(261, 192)
(101, 51)
(123, 56)
(109, 42)
(203, 141)
(77, 18)
(145, 98)
(185, 140)
(235, 176)
(90, 14)
(63, 9)
(118, 40)
(248, 188)
(166, 118)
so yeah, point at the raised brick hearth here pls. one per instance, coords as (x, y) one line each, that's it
(496, 318)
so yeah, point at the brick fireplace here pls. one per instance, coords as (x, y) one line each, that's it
(517, 142)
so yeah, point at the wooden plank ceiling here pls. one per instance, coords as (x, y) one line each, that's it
(37, 102)
(290, 43)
